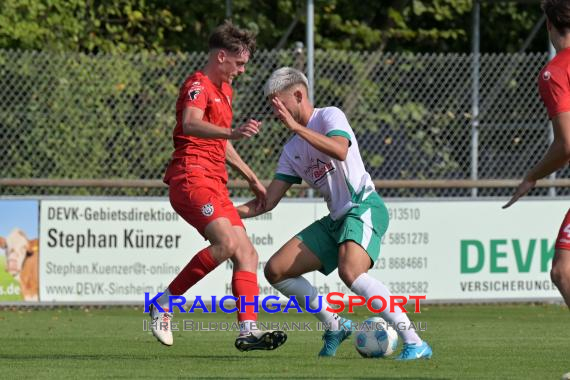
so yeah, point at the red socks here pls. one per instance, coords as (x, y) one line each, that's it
(245, 284)
(200, 265)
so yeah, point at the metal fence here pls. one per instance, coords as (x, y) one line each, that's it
(73, 116)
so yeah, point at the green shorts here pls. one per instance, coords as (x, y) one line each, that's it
(364, 224)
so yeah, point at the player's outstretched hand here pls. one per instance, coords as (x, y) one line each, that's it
(246, 210)
(524, 187)
(260, 194)
(247, 130)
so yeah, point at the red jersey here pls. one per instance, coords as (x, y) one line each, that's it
(554, 84)
(198, 91)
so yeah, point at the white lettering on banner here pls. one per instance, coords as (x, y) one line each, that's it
(9, 290)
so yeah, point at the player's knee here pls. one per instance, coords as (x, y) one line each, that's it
(272, 273)
(347, 274)
(246, 256)
(228, 247)
(559, 275)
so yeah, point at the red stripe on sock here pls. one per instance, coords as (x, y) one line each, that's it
(200, 265)
(245, 284)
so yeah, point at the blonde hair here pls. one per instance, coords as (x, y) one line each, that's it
(283, 79)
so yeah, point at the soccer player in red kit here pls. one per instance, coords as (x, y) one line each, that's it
(197, 179)
(554, 88)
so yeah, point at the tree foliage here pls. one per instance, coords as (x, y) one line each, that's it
(108, 113)
(163, 25)
(86, 25)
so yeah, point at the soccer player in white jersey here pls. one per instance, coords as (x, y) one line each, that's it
(324, 152)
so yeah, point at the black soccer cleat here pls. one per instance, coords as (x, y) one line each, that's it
(261, 340)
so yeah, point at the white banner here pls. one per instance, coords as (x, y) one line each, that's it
(467, 250)
(115, 250)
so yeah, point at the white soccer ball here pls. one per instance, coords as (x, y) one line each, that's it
(375, 338)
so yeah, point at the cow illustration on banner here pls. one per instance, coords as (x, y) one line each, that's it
(20, 248)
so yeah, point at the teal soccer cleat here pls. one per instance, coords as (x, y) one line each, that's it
(414, 352)
(333, 339)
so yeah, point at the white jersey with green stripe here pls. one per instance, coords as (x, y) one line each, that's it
(343, 184)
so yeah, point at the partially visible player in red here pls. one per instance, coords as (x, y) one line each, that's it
(197, 179)
(554, 88)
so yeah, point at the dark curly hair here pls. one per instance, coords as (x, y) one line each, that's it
(558, 13)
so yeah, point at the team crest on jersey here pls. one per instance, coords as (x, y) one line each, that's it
(546, 75)
(208, 209)
(320, 170)
(195, 90)
(193, 93)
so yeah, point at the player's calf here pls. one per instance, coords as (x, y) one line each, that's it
(560, 273)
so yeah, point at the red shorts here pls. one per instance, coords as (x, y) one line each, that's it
(200, 199)
(563, 239)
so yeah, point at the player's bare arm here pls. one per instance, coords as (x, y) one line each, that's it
(275, 193)
(557, 155)
(193, 125)
(334, 146)
(236, 162)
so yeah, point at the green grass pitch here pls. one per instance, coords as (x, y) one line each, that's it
(469, 342)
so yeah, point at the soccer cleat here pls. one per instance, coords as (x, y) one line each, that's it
(412, 351)
(333, 339)
(260, 340)
(160, 326)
